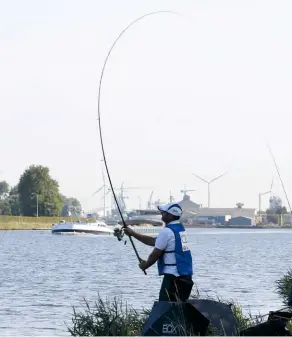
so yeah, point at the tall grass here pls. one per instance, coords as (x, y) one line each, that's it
(24, 222)
(116, 318)
(107, 318)
(284, 287)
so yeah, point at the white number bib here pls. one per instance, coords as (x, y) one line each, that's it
(184, 241)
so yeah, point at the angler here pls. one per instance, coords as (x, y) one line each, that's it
(172, 254)
(99, 118)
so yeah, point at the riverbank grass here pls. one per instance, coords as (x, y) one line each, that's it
(116, 318)
(28, 223)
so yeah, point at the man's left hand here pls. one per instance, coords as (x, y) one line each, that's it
(143, 265)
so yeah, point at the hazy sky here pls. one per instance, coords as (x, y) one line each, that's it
(193, 93)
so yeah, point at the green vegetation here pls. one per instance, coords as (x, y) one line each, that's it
(21, 222)
(36, 195)
(37, 187)
(70, 202)
(115, 318)
(284, 287)
(26, 222)
(107, 318)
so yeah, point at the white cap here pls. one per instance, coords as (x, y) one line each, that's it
(171, 208)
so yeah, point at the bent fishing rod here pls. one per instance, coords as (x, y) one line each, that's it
(99, 115)
(279, 175)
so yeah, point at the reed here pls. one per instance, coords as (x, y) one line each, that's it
(284, 287)
(116, 318)
(107, 318)
(29, 223)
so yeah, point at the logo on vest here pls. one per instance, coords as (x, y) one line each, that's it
(184, 241)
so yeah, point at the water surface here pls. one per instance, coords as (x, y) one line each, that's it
(44, 275)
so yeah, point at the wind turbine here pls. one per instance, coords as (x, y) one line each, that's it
(271, 189)
(104, 187)
(140, 202)
(261, 194)
(209, 183)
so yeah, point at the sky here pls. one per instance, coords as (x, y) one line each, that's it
(200, 92)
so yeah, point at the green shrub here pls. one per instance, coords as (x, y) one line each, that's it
(114, 318)
(284, 286)
(107, 318)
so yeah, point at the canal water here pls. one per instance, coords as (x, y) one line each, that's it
(43, 275)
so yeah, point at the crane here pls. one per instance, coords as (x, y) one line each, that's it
(149, 203)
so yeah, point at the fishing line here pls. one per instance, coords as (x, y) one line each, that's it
(270, 150)
(99, 114)
(259, 132)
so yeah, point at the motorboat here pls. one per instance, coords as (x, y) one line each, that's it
(144, 221)
(143, 228)
(98, 228)
(149, 215)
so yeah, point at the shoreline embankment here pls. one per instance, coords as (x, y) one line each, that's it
(30, 223)
(45, 223)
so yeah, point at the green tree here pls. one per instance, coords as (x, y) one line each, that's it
(5, 208)
(282, 210)
(273, 214)
(271, 217)
(14, 190)
(4, 189)
(14, 202)
(37, 187)
(69, 203)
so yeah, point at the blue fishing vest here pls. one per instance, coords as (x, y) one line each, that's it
(184, 262)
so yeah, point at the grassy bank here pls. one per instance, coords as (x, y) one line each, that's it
(25, 222)
(116, 318)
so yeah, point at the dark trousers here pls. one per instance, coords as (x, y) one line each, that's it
(175, 288)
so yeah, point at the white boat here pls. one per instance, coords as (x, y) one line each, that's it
(97, 228)
(147, 229)
(143, 228)
(145, 221)
(152, 215)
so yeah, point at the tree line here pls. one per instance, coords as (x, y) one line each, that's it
(36, 193)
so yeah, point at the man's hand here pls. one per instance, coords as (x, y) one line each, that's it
(128, 231)
(143, 265)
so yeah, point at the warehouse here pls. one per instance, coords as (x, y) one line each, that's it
(197, 214)
(242, 221)
(232, 212)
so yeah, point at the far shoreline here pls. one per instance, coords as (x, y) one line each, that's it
(45, 223)
(42, 227)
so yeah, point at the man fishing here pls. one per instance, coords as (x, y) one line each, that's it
(172, 254)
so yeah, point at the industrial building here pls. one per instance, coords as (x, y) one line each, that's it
(242, 221)
(236, 216)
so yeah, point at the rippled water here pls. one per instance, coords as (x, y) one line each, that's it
(44, 275)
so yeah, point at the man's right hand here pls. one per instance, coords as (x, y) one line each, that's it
(128, 231)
